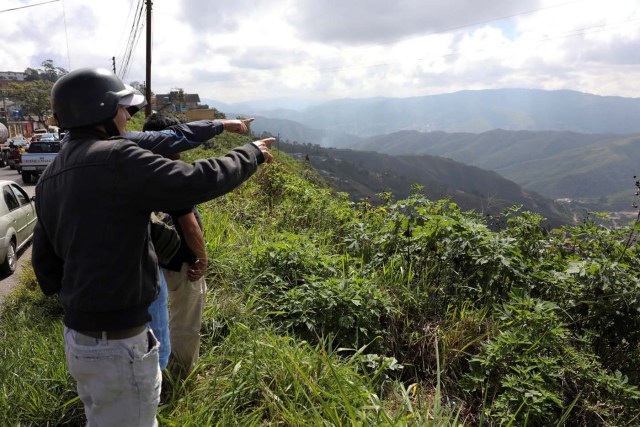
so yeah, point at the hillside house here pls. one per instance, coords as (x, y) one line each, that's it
(7, 77)
(176, 100)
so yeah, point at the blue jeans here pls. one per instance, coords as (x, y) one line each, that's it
(159, 312)
(118, 380)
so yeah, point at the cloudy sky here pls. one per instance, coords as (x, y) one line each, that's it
(244, 50)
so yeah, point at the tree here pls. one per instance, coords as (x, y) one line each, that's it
(49, 72)
(52, 73)
(31, 74)
(139, 86)
(35, 97)
(217, 114)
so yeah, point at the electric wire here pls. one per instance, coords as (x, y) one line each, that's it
(29, 5)
(121, 47)
(134, 37)
(131, 42)
(66, 35)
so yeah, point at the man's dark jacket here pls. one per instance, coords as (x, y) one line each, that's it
(91, 244)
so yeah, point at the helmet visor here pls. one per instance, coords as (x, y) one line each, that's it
(130, 97)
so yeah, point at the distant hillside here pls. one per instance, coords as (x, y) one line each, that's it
(595, 168)
(364, 174)
(469, 111)
(297, 132)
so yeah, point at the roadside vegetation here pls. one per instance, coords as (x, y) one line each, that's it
(412, 313)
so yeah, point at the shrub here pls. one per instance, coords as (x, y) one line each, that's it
(301, 289)
(532, 373)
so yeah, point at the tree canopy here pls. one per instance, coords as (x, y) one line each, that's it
(34, 96)
(49, 72)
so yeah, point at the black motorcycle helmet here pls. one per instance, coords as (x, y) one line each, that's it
(90, 96)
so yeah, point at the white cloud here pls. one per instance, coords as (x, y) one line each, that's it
(241, 50)
(375, 21)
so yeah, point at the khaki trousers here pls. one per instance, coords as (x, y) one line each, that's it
(186, 304)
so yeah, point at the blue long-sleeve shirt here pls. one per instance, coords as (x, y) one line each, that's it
(177, 138)
(174, 139)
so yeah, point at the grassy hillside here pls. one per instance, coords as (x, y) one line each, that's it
(412, 313)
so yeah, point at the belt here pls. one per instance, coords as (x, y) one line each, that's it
(115, 335)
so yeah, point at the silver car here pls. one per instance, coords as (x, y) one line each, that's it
(17, 221)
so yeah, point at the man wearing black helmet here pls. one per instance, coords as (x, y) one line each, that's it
(92, 245)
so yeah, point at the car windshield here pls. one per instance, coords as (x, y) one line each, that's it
(44, 147)
(48, 137)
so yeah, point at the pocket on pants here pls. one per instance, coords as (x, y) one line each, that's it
(146, 370)
(146, 347)
(172, 278)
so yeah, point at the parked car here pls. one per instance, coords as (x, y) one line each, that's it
(17, 221)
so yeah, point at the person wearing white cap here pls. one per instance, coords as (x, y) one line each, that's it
(92, 246)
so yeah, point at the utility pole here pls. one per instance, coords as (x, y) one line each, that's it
(4, 108)
(113, 61)
(147, 111)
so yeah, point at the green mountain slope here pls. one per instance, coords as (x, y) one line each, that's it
(555, 164)
(364, 174)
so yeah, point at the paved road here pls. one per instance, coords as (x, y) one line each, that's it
(24, 256)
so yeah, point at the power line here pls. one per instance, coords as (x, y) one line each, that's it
(66, 36)
(121, 47)
(134, 37)
(64, 17)
(29, 5)
(127, 50)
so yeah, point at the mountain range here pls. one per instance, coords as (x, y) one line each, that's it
(466, 111)
(560, 144)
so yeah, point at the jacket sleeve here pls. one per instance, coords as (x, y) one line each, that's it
(157, 183)
(47, 266)
(177, 138)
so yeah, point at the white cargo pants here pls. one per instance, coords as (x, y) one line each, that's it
(118, 381)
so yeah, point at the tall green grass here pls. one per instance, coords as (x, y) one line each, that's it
(250, 374)
(323, 311)
(35, 386)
